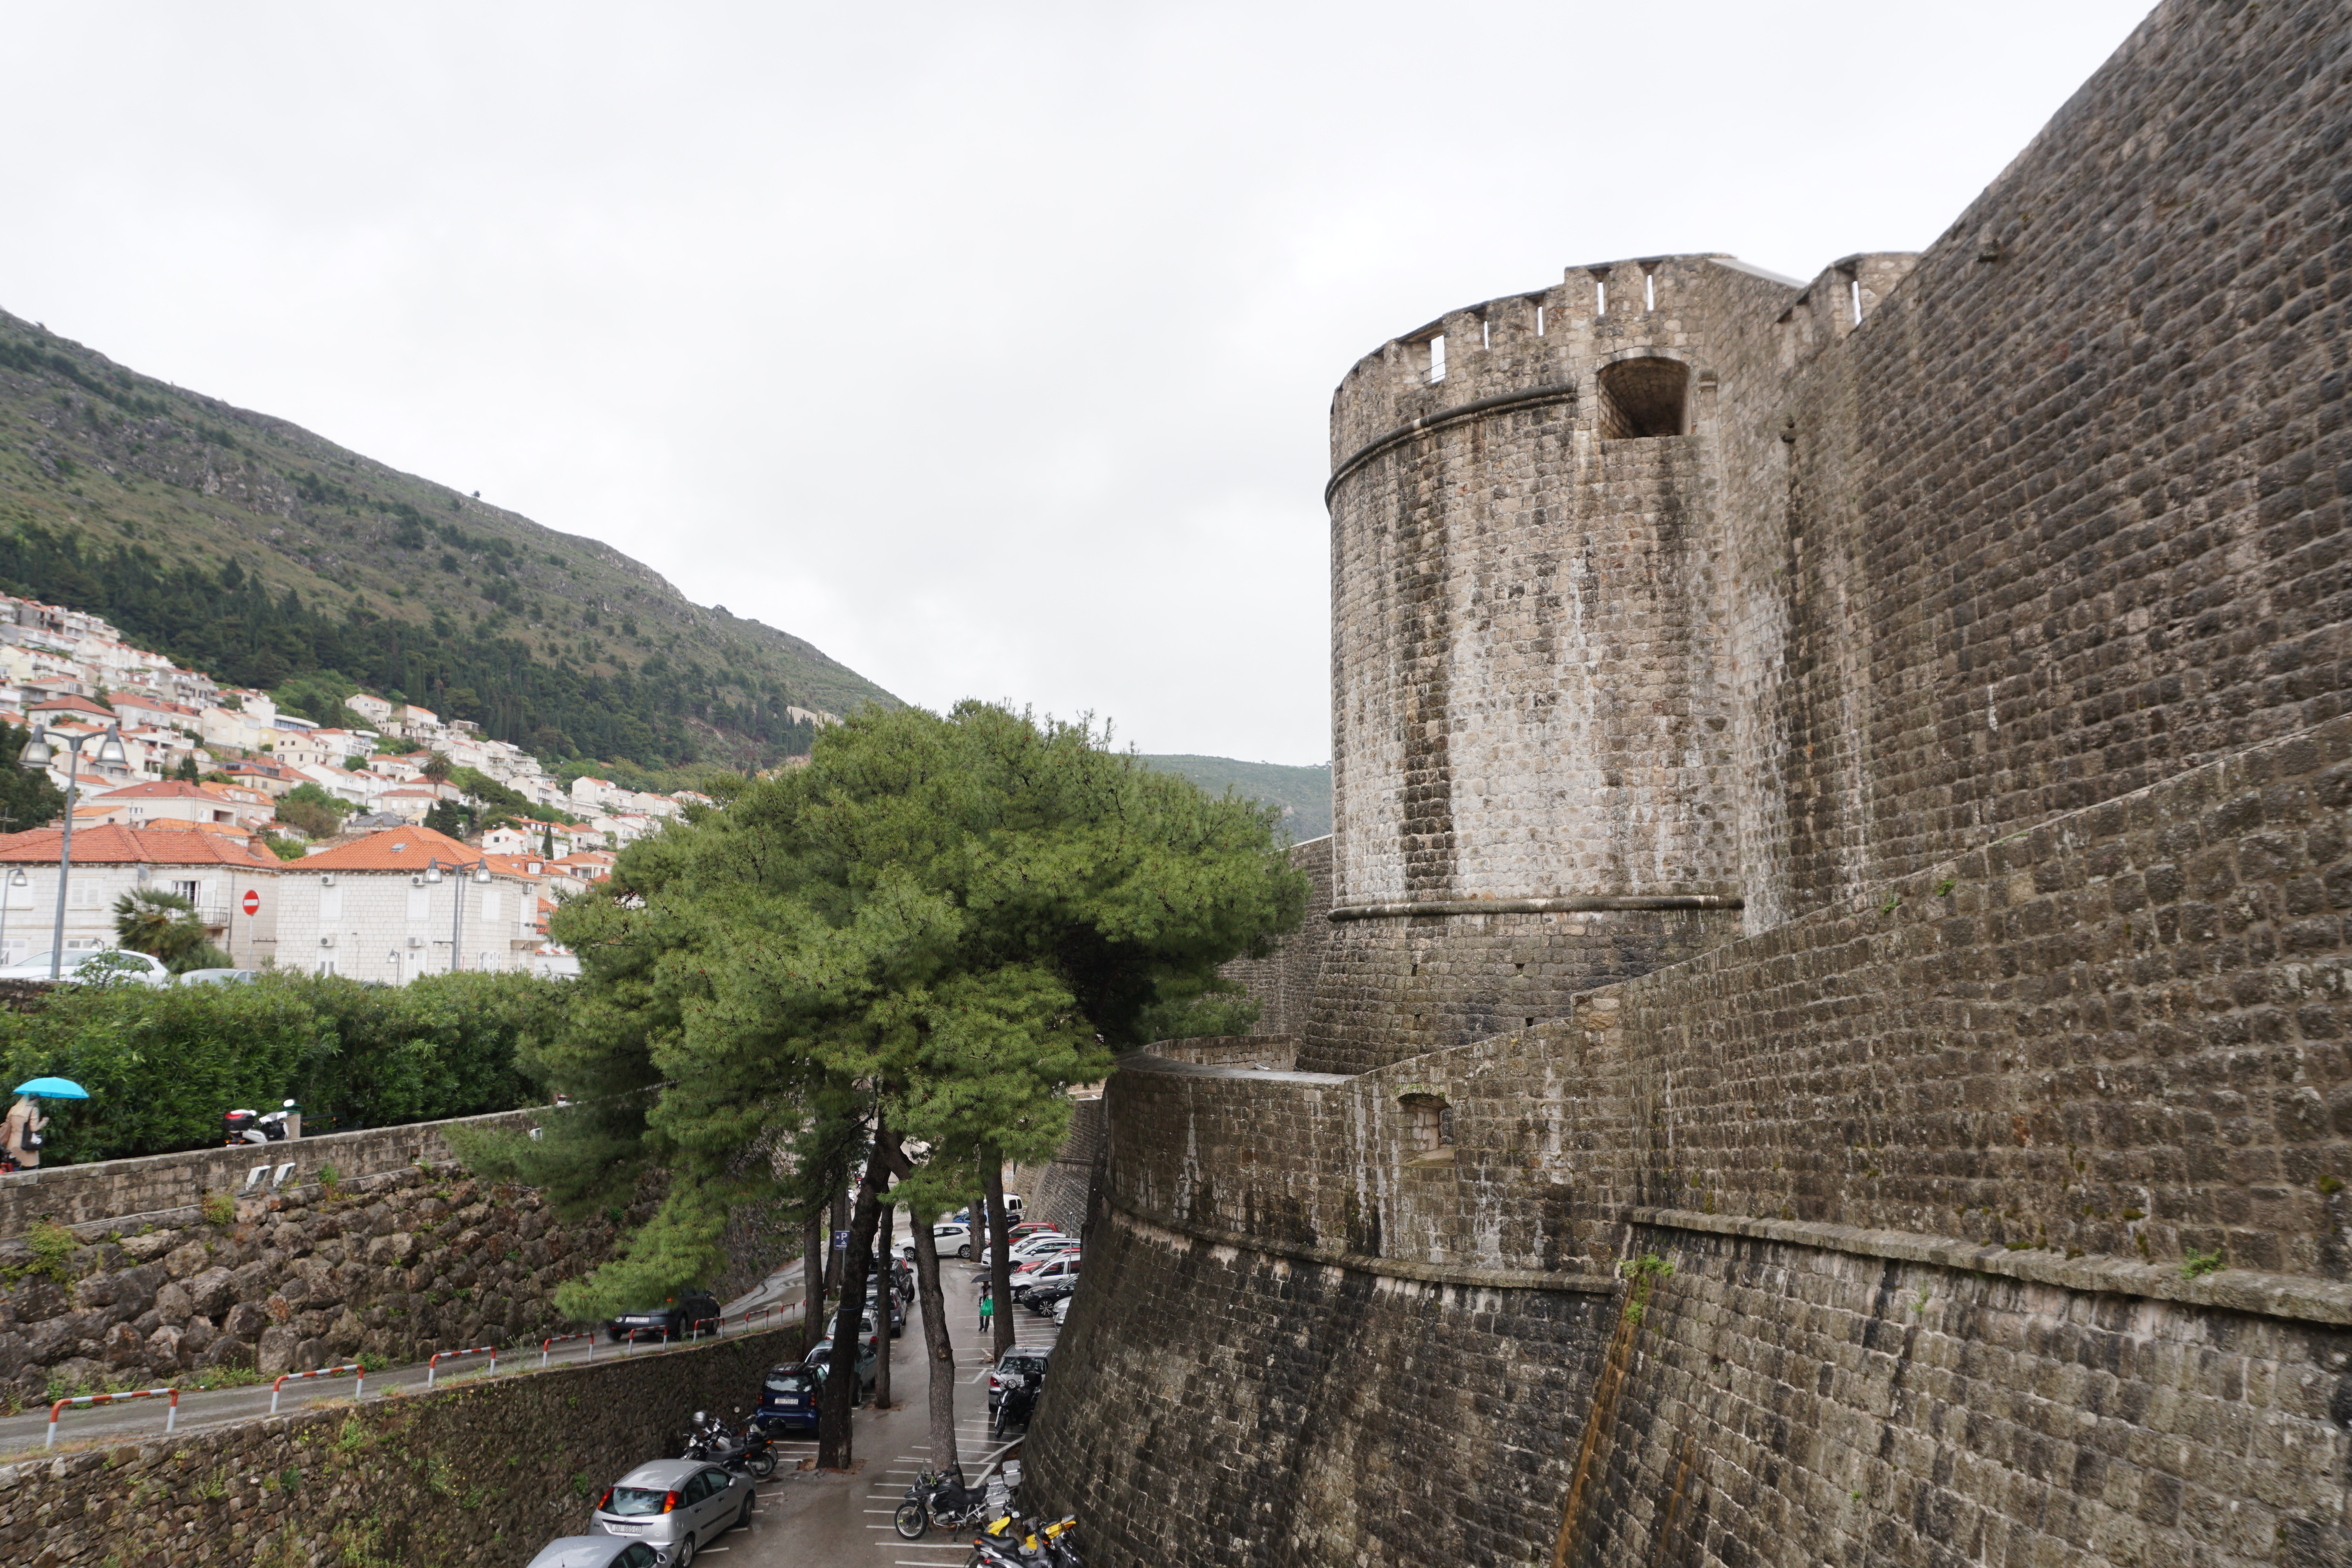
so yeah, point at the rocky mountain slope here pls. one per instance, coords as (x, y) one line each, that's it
(251, 547)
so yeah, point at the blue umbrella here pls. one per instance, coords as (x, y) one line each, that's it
(52, 1088)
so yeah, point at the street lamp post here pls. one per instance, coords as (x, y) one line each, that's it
(39, 753)
(478, 872)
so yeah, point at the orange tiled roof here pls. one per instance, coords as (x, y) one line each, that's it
(134, 846)
(73, 705)
(394, 849)
(155, 790)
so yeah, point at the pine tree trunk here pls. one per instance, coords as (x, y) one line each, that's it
(882, 1400)
(938, 1350)
(812, 1285)
(832, 1441)
(999, 1250)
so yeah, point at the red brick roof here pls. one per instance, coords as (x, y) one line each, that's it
(155, 788)
(133, 846)
(394, 849)
(71, 705)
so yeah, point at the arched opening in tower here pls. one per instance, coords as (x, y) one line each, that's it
(1642, 397)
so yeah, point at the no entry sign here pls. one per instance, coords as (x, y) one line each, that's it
(252, 902)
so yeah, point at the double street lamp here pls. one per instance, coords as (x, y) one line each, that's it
(39, 753)
(479, 872)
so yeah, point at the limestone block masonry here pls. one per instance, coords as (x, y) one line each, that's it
(396, 1266)
(483, 1473)
(158, 1188)
(1828, 1042)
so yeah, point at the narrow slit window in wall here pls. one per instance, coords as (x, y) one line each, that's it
(1437, 357)
(1643, 398)
(1649, 291)
(1857, 287)
(1539, 331)
(1601, 300)
(1485, 335)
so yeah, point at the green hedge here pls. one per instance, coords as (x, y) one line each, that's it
(161, 1065)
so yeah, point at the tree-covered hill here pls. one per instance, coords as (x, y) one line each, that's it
(251, 549)
(1303, 793)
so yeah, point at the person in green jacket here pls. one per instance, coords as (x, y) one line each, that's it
(987, 1308)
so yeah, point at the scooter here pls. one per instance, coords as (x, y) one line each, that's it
(253, 1127)
(708, 1439)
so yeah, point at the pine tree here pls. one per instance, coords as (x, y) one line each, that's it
(926, 938)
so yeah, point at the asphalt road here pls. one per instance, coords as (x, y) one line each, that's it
(843, 1520)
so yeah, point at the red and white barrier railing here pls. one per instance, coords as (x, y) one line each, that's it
(171, 1419)
(558, 1339)
(349, 1369)
(629, 1344)
(434, 1365)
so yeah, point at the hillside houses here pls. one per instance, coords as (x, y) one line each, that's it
(353, 904)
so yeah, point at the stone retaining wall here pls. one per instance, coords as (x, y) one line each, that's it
(154, 1186)
(394, 1266)
(482, 1473)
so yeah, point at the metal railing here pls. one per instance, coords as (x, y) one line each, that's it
(171, 1418)
(350, 1368)
(558, 1339)
(630, 1341)
(434, 1365)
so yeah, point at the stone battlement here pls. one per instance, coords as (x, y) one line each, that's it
(1824, 1041)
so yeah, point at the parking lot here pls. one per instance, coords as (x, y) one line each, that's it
(809, 1517)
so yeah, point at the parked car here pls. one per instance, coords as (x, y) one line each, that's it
(679, 1316)
(145, 968)
(1044, 1271)
(676, 1506)
(820, 1360)
(235, 977)
(597, 1551)
(1029, 1228)
(1062, 1308)
(1028, 1360)
(1037, 1247)
(953, 1237)
(788, 1398)
(898, 1306)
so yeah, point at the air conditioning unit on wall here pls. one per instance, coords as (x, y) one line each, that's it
(416, 941)
(326, 941)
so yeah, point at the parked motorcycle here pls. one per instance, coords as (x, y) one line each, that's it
(1017, 1399)
(938, 1502)
(253, 1127)
(1015, 1542)
(708, 1439)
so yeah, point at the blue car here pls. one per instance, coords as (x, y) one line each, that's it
(788, 1394)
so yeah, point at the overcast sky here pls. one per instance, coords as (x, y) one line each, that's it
(989, 347)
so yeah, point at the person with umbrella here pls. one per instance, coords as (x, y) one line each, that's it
(22, 1131)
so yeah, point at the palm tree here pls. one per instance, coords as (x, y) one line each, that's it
(148, 920)
(438, 768)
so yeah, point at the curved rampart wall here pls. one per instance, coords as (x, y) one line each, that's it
(2004, 1208)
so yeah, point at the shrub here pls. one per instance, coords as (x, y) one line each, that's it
(162, 1063)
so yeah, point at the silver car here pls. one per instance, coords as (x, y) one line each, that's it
(676, 1506)
(597, 1551)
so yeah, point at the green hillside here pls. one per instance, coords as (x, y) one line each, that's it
(1303, 793)
(251, 549)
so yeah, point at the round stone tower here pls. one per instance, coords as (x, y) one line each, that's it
(1531, 712)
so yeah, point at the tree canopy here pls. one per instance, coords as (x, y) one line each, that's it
(938, 926)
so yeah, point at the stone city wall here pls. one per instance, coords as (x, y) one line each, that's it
(1284, 981)
(484, 1472)
(166, 1188)
(2003, 1202)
